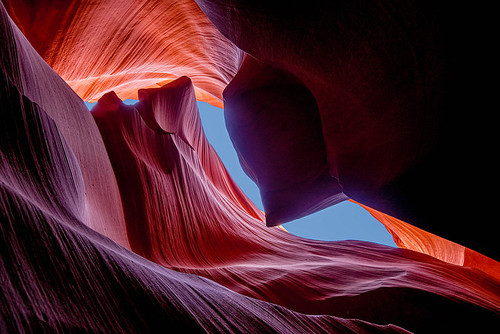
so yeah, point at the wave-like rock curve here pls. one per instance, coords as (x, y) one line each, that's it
(184, 212)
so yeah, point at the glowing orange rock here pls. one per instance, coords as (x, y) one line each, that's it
(410, 237)
(102, 46)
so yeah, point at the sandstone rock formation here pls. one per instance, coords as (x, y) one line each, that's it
(125, 219)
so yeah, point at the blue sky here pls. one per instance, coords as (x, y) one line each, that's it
(343, 221)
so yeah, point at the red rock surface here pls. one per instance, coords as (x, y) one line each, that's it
(127, 221)
(184, 212)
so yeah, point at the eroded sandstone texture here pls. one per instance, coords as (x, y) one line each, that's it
(125, 219)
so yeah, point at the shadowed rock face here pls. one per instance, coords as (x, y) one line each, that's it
(126, 220)
(38, 82)
(395, 87)
(266, 110)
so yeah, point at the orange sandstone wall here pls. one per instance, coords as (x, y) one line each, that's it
(121, 46)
